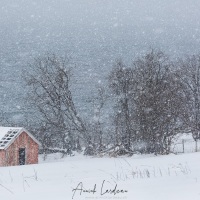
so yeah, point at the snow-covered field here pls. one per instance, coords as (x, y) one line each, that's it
(171, 177)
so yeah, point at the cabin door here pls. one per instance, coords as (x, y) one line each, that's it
(22, 156)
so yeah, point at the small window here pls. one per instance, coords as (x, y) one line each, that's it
(22, 156)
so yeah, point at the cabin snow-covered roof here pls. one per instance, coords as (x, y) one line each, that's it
(9, 134)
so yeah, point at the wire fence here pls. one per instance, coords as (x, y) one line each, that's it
(186, 146)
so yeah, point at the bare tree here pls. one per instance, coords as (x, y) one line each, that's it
(121, 84)
(98, 123)
(158, 101)
(189, 76)
(49, 81)
(96, 126)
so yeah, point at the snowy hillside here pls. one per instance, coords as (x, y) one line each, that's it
(94, 32)
(143, 178)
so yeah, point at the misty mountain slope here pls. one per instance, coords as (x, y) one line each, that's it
(94, 33)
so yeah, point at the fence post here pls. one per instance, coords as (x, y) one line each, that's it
(183, 145)
(196, 147)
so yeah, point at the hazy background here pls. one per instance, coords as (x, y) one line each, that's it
(94, 32)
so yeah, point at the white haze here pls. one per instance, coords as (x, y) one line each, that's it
(94, 33)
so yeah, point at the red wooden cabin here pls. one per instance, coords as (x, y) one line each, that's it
(17, 147)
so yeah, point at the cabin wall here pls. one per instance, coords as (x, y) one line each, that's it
(11, 157)
(2, 157)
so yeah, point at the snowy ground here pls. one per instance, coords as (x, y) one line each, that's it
(171, 177)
